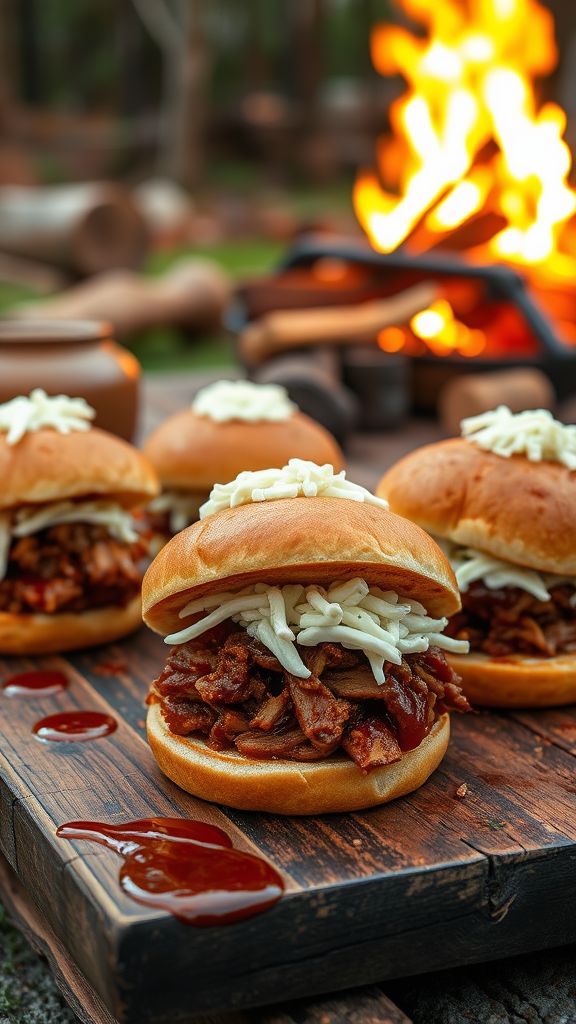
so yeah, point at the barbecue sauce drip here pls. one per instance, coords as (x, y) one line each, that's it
(35, 684)
(74, 727)
(185, 867)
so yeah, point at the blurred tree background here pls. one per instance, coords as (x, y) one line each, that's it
(261, 110)
(116, 87)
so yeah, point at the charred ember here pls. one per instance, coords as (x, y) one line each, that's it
(232, 691)
(510, 621)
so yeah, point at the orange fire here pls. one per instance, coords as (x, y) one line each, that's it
(469, 139)
(439, 329)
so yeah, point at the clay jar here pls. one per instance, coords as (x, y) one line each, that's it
(72, 357)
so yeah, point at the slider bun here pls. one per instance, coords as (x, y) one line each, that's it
(192, 452)
(334, 784)
(301, 540)
(47, 466)
(67, 631)
(512, 508)
(517, 682)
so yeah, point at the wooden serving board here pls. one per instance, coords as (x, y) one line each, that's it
(430, 881)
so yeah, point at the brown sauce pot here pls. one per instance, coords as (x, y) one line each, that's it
(72, 357)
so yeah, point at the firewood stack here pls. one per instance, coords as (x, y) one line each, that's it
(82, 245)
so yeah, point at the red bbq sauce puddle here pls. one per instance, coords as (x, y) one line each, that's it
(185, 867)
(74, 727)
(35, 684)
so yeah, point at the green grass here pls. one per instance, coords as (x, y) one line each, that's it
(14, 294)
(168, 350)
(239, 258)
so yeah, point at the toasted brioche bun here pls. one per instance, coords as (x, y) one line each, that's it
(289, 787)
(296, 540)
(511, 508)
(517, 682)
(47, 466)
(192, 452)
(67, 631)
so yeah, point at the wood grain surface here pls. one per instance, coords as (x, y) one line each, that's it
(431, 881)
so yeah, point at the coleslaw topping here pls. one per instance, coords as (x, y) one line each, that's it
(470, 565)
(352, 613)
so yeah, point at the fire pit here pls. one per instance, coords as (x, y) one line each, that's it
(470, 195)
(504, 327)
(499, 324)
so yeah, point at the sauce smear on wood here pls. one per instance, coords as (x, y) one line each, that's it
(74, 727)
(186, 867)
(35, 684)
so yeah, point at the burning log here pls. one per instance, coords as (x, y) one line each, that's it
(478, 230)
(331, 281)
(474, 157)
(289, 329)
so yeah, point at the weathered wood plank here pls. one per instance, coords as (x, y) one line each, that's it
(446, 876)
(72, 983)
(488, 851)
(551, 725)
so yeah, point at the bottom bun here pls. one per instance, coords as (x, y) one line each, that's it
(519, 682)
(289, 787)
(67, 631)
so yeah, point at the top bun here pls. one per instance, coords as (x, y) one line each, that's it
(511, 508)
(48, 466)
(300, 540)
(193, 452)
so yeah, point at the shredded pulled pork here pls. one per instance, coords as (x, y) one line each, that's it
(510, 621)
(234, 692)
(70, 567)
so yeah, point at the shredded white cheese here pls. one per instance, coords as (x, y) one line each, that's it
(470, 565)
(31, 519)
(183, 507)
(243, 400)
(535, 434)
(379, 623)
(24, 415)
(297, 479)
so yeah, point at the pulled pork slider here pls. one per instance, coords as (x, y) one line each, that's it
(70, 554)
(232, 425)
(306, 672)
(503, 501)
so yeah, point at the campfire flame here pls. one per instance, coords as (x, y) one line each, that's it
(470, 147)
(439, 329)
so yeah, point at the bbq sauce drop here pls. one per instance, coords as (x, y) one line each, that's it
(185, 867)
(35, 684)
(74, 727)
